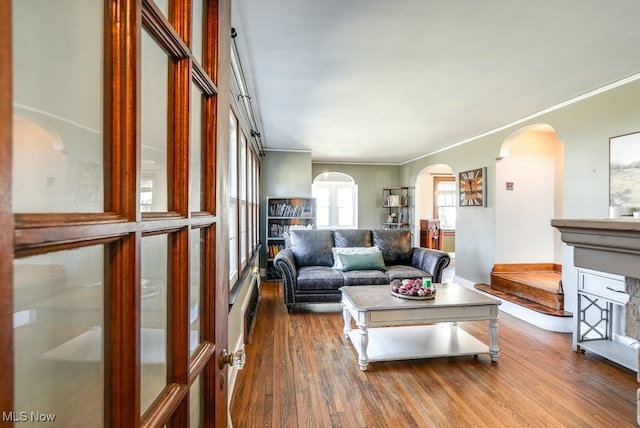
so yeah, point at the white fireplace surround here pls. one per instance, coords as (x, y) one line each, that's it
(609, 245)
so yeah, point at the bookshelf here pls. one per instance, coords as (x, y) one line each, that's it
(283, 215)
(396, 203)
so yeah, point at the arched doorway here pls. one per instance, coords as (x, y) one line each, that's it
(435, 199)
(528, 194)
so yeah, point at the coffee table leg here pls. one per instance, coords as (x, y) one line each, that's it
(363, 359)
(347, 321)
(494, 351)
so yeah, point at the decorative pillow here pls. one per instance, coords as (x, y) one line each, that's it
(371, 261)
(350, 250)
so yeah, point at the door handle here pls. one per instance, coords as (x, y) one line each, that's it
(235, 359)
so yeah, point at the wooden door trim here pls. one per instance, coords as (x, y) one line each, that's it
(203, 81)
(121, 136)
(199, 360)
(6, 217)
(36, 239)
(178, 325)
(121, 227)
(164, 406)
(163, 32)
(222, 79)
(121, 115)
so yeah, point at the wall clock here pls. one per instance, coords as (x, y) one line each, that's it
(473, 189)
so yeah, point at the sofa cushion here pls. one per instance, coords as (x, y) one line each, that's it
(337, 264)
(395, 245)
(312, 247)
(352, 238)
(405, 272)
(319, 278)
(367, 261)
(365, 277)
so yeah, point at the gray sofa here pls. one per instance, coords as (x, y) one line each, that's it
(308, 267)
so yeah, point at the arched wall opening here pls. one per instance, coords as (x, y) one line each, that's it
(528, 194)
(424, 202)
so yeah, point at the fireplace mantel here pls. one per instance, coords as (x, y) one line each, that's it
(609, 245)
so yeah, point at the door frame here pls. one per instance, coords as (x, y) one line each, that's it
(6, 216)
(120, 228)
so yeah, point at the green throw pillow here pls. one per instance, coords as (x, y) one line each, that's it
(371, 261)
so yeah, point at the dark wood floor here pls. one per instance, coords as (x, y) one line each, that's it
(301, 372)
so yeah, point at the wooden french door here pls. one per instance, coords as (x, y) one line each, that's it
(113, 260)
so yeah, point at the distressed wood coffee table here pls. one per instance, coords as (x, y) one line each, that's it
(393, 328)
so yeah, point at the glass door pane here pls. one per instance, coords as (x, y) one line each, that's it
(163, 6)
(57, 106)
(195, 290)
(154, 98)
(58, 323)
(194, 404)
(153, 319)
(197, 29)
(195, 199)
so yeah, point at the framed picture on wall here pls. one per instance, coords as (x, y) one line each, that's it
(624, 172)
(473, 188)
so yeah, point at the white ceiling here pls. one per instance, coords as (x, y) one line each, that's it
(388, 81)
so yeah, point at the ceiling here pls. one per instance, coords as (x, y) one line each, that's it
(382, 81)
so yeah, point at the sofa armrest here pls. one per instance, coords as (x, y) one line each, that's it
(285, 262)
(432, 261)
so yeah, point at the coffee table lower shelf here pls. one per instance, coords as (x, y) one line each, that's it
(416, 342)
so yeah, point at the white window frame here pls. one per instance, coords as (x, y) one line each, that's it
(233, 198)
(328, 181)
(243, 217)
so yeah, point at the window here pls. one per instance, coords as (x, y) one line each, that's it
(255, 199)
(243, 199)
(444, 207)
(337, 201)
(233, 199)
(243, 182)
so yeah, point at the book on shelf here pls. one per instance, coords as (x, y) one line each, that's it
(274, 249)
(393, 200)
(276, 230)
(289, 210)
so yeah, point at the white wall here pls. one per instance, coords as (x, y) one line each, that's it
(584, 128)
(236, 322)
(283, 174)
(523, 232)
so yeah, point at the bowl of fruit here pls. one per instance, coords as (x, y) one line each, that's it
(412, 289)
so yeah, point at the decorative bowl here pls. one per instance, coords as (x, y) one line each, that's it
(412, 289)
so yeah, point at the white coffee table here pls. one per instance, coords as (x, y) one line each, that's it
(393, 328)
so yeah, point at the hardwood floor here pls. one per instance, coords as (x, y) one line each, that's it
(301, 372)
